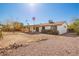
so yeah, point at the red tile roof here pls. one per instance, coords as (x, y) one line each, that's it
(49, 24)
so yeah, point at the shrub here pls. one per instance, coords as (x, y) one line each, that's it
(1, 36)
(50, 32)
(74, 26)
(77, 30)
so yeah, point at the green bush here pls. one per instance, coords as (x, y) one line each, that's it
(50, 32)
(74, 26)
(77, 30)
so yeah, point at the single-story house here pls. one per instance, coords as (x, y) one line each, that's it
(60, 27)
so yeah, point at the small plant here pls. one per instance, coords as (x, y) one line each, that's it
(1, 35)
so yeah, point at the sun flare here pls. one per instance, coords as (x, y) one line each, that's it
(32, 4)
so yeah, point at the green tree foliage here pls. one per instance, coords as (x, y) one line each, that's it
(75, 26)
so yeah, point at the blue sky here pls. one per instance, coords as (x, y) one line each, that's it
(42, 11)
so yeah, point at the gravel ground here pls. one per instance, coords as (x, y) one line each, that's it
(54, 45)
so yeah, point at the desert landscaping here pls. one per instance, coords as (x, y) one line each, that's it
(54, 39)
(23, 44)
(39, 29)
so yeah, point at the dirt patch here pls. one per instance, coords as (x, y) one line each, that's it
(42, 44)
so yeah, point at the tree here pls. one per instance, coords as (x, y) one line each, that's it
(75, 26)
(17, 26)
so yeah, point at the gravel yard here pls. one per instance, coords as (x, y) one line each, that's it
(40, 45)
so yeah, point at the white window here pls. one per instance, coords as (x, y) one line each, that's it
(47, 27)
